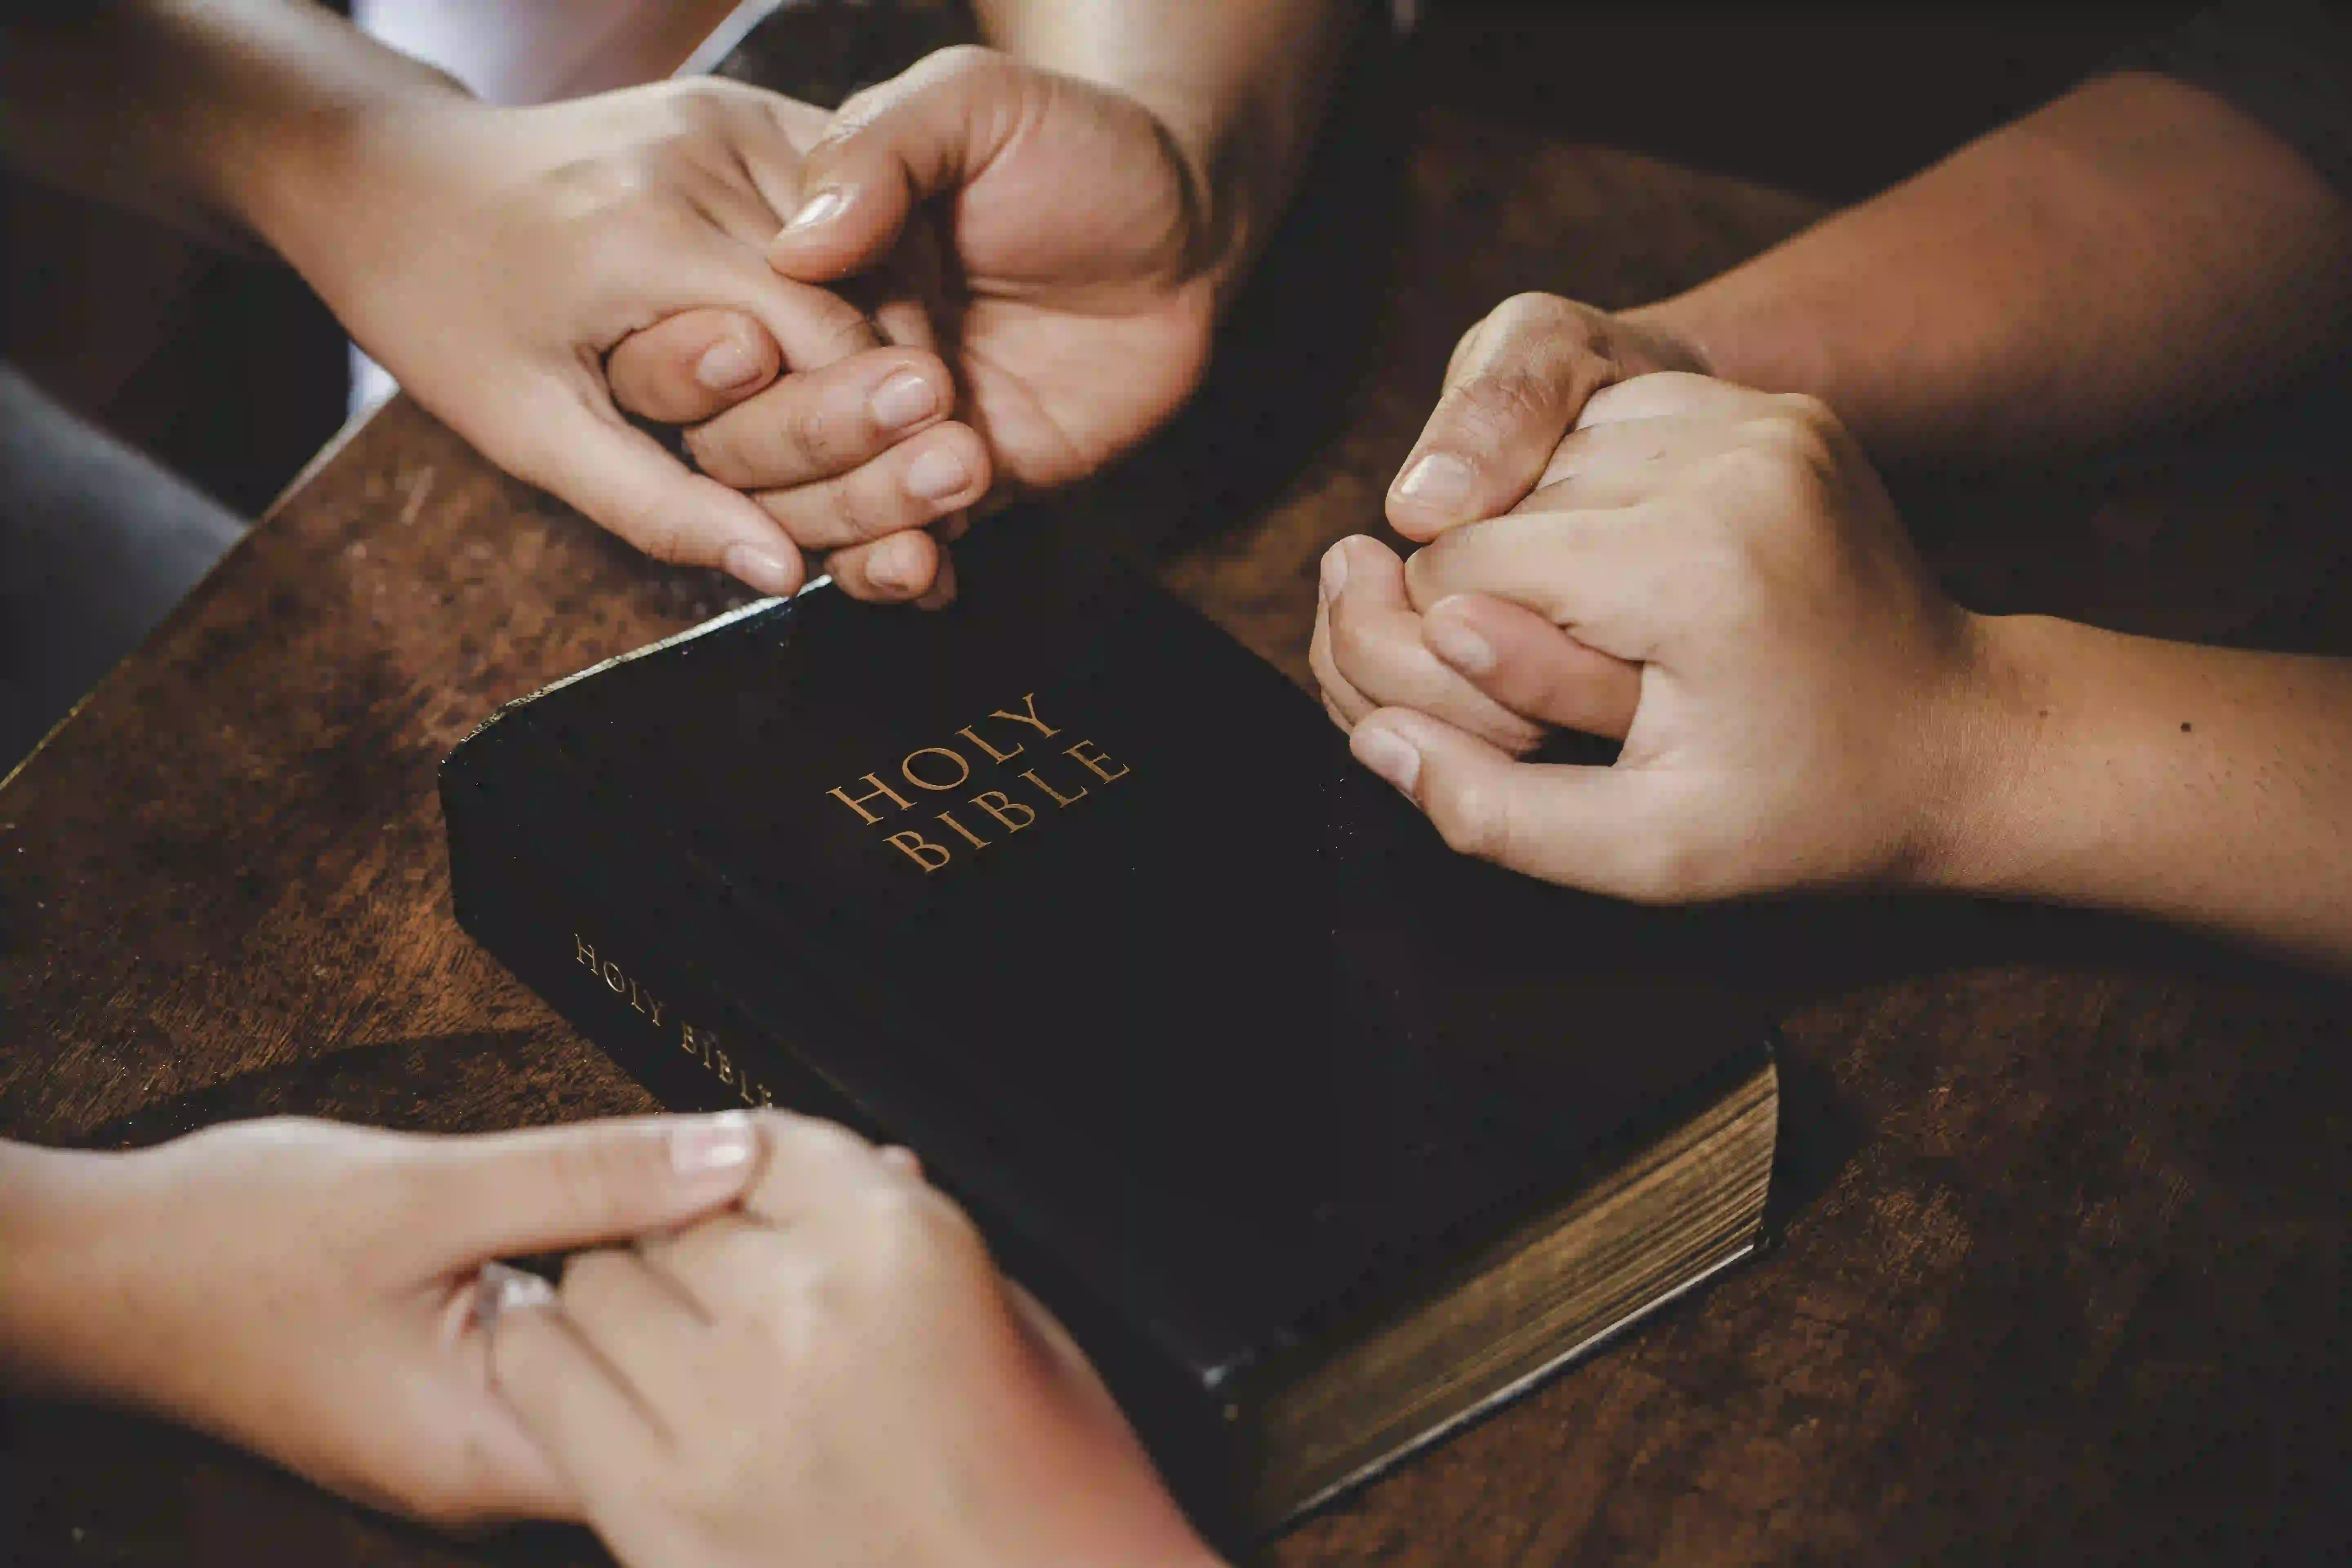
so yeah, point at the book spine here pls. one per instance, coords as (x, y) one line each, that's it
(663, 1019)
(613, 977)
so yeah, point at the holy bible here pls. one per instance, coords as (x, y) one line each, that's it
(1321, 1139)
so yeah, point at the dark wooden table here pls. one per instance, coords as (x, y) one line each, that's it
(2061, 1225)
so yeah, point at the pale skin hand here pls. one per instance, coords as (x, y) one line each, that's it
(563, 230)
(838, 1375)
(1807, 697)
(491, 257)
(1724, 584)
(306, 1290)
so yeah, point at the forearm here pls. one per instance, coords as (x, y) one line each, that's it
(1242, 85)
(2135, 253)
(2204, 786)
(57, 1212)
(218, 116)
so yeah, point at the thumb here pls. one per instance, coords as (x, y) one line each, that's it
(928, 132)
(1518, 381)
(551, 1189)
(692, 366)
(1587, 827)
(576, 446)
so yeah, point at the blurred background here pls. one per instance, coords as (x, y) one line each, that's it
(225, 369)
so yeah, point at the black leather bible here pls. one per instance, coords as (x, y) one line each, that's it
(1321, 1139)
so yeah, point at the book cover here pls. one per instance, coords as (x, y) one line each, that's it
(1071, 893)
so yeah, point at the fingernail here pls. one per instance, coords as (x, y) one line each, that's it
(936, 475)
(1387, 753)
(758, 568)
(817, 209)
(893, 565)
(1335, 571)
(1439, 479)
(902, 1159)
(727, 364)
(499, 1289)
(902, 400)
(1456, 643)
(712, 1143)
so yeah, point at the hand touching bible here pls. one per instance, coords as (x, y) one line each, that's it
(306, 1290)
(837, 1374)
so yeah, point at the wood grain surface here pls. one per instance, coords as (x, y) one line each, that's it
(2060, 1232)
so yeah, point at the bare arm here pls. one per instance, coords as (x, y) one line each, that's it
(493, 258)
(51, 1208)
(2136, 252)
(2206, 787)
(232, 98)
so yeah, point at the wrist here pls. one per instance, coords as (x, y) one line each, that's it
(316, 195)
(1997, 733)
(67, 1227)
(1674, 332)
(1654, 338)
(1232, 182)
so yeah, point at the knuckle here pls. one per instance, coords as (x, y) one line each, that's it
(806, 432)
(821, 1142)
(712, 450)
(1537, 312)
(957, 59)
(667, 542)
(865, 510)
(1515, 734)
(1499, 404)
(594, 185)
(1778, 461)
(905, 1232)
(1803, 436)
(1807, 410)
(1466, 815)
(710, 102)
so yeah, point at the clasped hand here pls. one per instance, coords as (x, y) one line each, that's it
(855, 364)
(782, 1344)
(1712, 576)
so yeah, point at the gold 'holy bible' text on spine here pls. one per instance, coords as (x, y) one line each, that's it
(702, 1045)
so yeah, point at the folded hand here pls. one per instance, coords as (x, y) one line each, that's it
(836, 1375)
(307, 1290)
(1718, 576)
